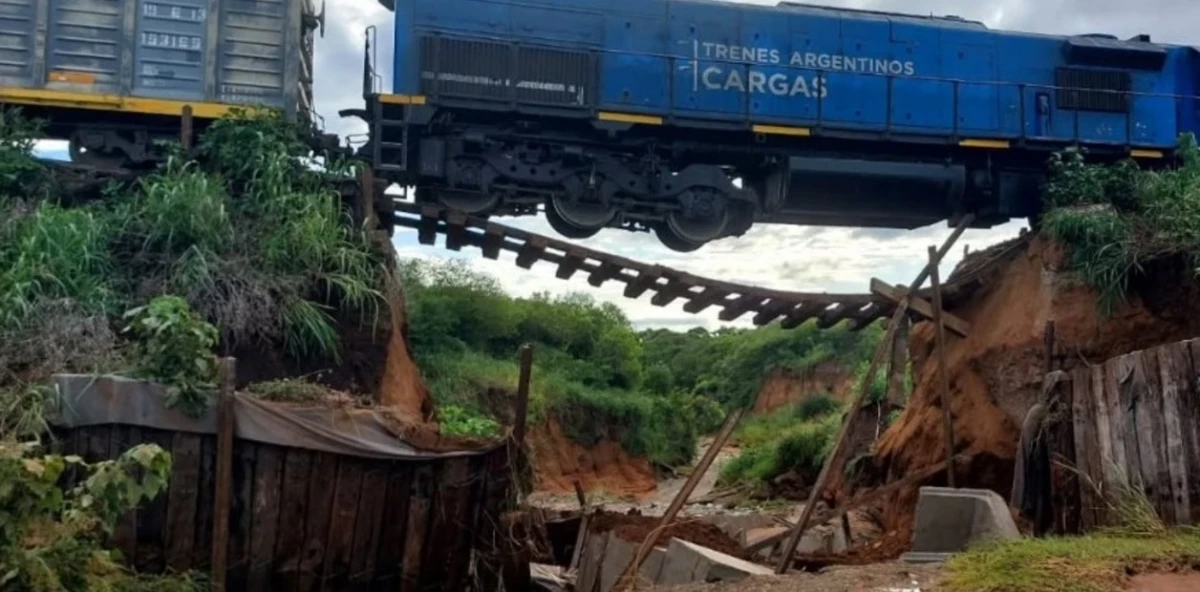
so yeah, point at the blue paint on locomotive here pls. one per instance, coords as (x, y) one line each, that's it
(800, 65)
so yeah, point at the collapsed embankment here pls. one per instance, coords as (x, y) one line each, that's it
(996, 371)
(558, 461)
(782, 387)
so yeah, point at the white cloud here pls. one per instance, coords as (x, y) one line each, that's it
(793, 258)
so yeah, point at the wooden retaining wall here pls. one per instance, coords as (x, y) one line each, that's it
(1133, 419)
(302, 520)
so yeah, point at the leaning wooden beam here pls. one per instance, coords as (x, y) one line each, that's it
(919, 305)
(943, 367)
(884, 348)
(629, 575)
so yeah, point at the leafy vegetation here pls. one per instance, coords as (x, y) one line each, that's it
(244, 244)
(655, 391)
(1115, 218)
(457, 421)
(51, 538)
(175, 347)
(795, 439)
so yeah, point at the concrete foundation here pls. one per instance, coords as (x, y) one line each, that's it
(949, 521)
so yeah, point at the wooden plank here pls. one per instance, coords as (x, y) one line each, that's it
(1127, 387)
(1190, 401)
(604, 272)
(222, 483)
(391, 540)
(124, 537)
(152, 519)
(182, 493)
(1064, 478)
(1152, 433)
(340, 540)
(449, 527)
(1118, 471)
(1153, 406)
(740, 306)
(491, 541)
(417, 528)
(293, 507)
(268, 477)
(241, 514)
(321, 484)
(1081, 417)
(493, 240)
(1173, 378)
(920, 306)
(1104, 439)
(530, 252)
(368, 524)
(800, 314)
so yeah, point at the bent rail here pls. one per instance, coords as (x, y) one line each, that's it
(792, 309)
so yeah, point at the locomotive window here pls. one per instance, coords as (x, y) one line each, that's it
(1093, 90)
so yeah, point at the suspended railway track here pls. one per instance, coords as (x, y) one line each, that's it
(667, 285)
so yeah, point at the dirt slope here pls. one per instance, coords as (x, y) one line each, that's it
(558, 461)
(995, 372)
(781, 388)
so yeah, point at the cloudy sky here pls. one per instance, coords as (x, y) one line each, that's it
(797, 257)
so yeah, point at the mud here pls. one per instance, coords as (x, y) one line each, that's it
(636, 528)
(781, 388)
(995, 372)
(606, 467)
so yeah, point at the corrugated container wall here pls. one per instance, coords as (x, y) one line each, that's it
(214, 51)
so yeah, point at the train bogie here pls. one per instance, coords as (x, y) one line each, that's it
(112, 76)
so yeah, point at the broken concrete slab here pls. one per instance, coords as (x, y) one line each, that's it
(686, 562)
(949, 521)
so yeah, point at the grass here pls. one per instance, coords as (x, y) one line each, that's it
(787, 440)
(1097, 563)
(1115, 218)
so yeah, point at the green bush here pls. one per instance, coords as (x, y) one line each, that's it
(457, 421)
(781, 442)
(175, 347)
(1114, 218)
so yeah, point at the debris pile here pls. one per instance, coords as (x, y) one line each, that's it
(996, 371)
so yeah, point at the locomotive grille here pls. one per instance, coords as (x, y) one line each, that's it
(1093, 90)
(503, 72)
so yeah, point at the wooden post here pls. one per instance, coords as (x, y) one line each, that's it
(943, 366)
(629, 576)
(581, 496)
(224, 481)
(881, 351)
(899, 363)
(522, 407)
(186, 124)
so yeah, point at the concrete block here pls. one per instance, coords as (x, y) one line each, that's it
(949, 521)
(617, 556)
(756, 539)
(686, 562)
(652, 567)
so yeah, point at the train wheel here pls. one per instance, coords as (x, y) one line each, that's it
(469, 202)
(673, 241)
(705, 217)
(566, 228)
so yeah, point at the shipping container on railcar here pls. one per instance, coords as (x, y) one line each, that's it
(696, 118)
(111, 76)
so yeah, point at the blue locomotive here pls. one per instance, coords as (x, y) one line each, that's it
(695, 119)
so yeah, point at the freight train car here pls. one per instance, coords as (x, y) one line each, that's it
(696, 118)
(113, 76)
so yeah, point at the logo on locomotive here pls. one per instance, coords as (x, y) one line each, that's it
(764, 70)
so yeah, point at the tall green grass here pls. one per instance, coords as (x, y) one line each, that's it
(1115, 218)
(789, 440)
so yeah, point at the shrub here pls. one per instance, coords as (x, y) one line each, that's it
(174, 347)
